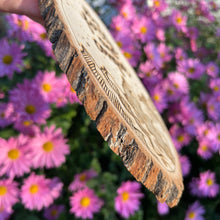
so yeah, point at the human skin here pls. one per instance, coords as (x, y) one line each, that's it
(29, 8)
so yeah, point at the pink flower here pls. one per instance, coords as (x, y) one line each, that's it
(179, 21)
(119, 23)
(5, 214)
(162, 208)
(49, 148)
(164, 52)
(127, 10)
(128, 199)
(207, 184)
(214, 85)
(11, 56)
(15, 156)
(133, 55)
(8, 194)
(195, 212)
(81, 179)
(84, 203)
(6, 114)
(28, 103)
(48, 85)
(205, 149)
(144, 29)
(213, 108)
(38, 192)
(53, 212)
(159, 5)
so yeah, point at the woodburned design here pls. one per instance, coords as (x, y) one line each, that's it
(116, 78)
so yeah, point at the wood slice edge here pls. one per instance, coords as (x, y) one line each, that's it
(114, 131)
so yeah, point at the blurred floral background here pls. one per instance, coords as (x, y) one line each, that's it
(54, 165)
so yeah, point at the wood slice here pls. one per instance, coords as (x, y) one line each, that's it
(113, 96)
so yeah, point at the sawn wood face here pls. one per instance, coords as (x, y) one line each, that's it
(113, 96)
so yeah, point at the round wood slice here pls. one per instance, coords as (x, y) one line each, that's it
(113, 96)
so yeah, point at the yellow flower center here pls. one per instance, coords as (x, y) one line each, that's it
(143, 30)
(85, 201)
(7, 59)
(204, 148)
(30, 109)
(218, 137)
(156, 97)
(118, 28)
(125, 196)
(127, 55)
(46, 87)
(48, 146)
(216, 89)
(54, 212)
(179, 20)
(119, 44)
(34, 189)
(209, 182)
(157, 3)
(2, 115)
(125, 14)
(191, 215)
(170, 92)
(191, 70)
(27, 123)
(3, 190)
(13, 154)
(82, 177)
(206, 132)
(180, 138)
(176, 85)
(43, 36)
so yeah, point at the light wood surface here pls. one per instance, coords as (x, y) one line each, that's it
(113, 96)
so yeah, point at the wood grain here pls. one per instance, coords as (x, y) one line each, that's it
(113, 96)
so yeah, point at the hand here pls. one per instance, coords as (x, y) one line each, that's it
(29, 8)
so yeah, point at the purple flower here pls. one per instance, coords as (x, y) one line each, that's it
(6, 114)
(128, 199)
(205, 149)
(213, 108)
(212, 69)
(162, 208)
(84, 203)
(185, 164)
(195, 212)
(214, 85)
(119, 23)
(29, 103)
(127, 10)
(164, 52)
(160, 5)
(192, 68)
(53, 212)
(11, 56)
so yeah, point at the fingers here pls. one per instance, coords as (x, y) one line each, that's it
(29, 8)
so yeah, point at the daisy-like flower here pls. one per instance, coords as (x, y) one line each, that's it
(213, 108)
(164, 52)
(195, 212)
(158, 97)
(81, 179)
(159, 5)
(38, 192)
(29, 103)
(180, 54)
(179, 21)
(119, 23)
(15, 156)
(192, 68)
(179, 136)
(207, 184)
(127, 10)
(214, 85)
(8, 194)
(127, 201)
(205, 149)
(11, 58)
(53, 212)
(144, 29)
(6, 114)
(162, 208)
(84, 203)
(48, 85)
(49, 148)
